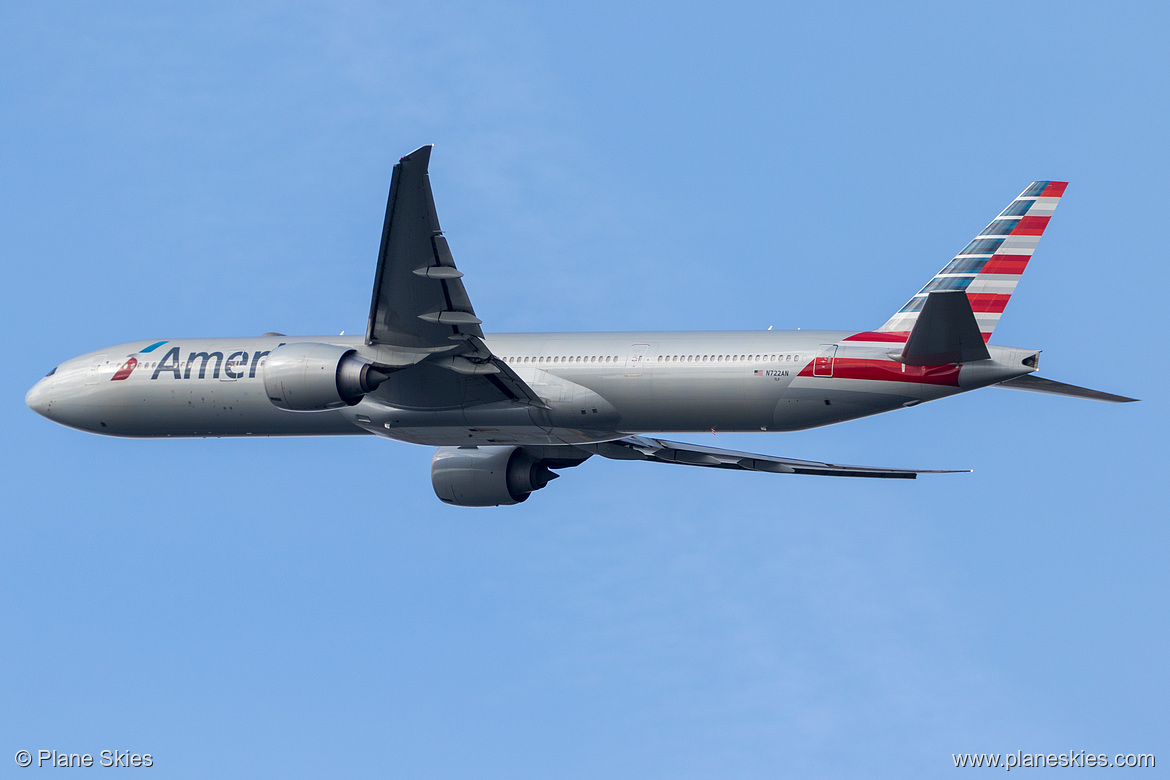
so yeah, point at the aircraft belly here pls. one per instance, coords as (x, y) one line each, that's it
(441, 436)
(654, 401)
(498, 423)
(726, 414)
(184, 408)
(811, 402)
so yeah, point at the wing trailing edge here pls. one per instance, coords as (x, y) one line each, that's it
(662, 451)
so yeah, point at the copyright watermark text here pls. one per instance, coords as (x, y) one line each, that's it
(1073, 758)
(106, 758)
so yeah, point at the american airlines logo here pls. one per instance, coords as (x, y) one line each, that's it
(235, 365)
(125, 370)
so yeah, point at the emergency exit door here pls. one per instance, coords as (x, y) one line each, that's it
(636, 358)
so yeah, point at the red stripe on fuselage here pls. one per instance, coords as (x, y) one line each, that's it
(899, 336)
(890, 371)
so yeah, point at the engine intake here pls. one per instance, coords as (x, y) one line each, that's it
(487, 476)
(317, 377)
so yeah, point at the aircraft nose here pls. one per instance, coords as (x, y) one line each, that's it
(39, 398)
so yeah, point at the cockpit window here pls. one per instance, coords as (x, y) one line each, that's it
(52, 372)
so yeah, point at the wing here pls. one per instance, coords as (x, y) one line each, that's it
(646, 448)
(419, 300)
(420, 310)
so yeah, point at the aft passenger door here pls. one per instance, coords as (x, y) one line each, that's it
(823, 364)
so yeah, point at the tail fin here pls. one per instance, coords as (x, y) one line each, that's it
(989, 267)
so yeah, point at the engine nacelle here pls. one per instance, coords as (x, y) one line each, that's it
(486, 476)
(316, 377)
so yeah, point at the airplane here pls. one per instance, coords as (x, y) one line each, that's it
(507, 411)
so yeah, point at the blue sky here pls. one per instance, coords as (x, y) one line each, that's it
(307, 607)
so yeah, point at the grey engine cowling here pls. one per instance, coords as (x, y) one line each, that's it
(317, 377)
(487, 476)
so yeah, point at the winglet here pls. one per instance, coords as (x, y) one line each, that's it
(945, 332)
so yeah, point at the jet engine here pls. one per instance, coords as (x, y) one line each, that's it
(487, 476)
(316, 377)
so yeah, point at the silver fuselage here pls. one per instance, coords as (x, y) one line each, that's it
(596, 386)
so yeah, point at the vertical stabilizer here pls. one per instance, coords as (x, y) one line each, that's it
(989, 267)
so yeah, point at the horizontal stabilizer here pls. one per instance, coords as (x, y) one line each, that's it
(662, 451)
(1036, 384)
(945, 332)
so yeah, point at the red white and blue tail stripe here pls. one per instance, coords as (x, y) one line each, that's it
(989, 267)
